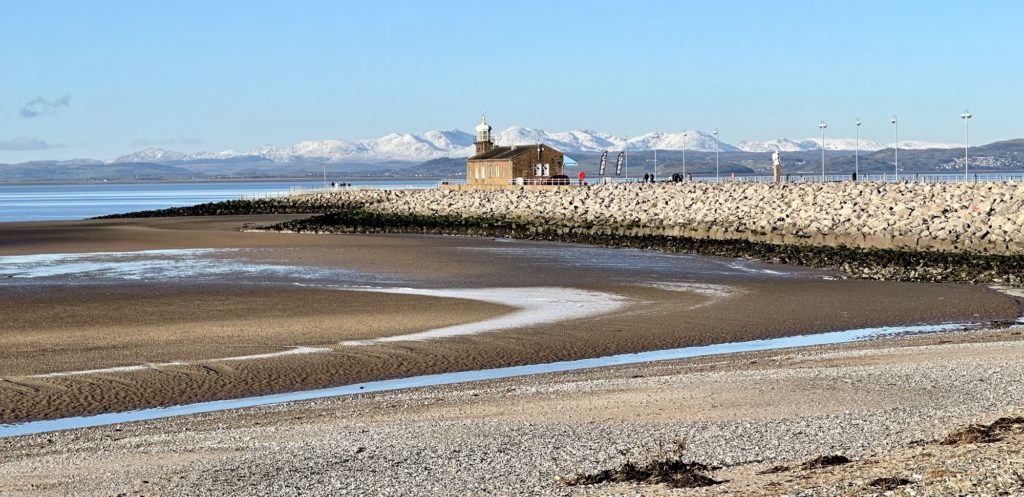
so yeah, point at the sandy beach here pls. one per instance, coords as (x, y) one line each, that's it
(421, 249)
(884, 405)
(167, 327)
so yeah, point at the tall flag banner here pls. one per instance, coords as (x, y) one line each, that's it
(618, 164)
(604, 162)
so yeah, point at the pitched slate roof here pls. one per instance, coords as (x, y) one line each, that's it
(505, 152)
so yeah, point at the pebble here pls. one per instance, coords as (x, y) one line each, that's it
(375, 445)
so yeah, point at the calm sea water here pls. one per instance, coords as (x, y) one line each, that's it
(80, 201)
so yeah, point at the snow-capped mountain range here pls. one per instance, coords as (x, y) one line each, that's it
(457, 143)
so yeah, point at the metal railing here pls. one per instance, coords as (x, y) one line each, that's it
(543, 182)
(262, 195)
(590, 181)
(301, 190)
(876, 178)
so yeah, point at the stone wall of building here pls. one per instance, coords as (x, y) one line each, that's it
(489, 172)
(975, 217)
(522, 165)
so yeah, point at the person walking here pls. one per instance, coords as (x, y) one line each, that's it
(581, 176)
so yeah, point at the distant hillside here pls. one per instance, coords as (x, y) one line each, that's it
(418, 147)
(242, 168)
(90, 171)
(445, 167)
(1000, 156)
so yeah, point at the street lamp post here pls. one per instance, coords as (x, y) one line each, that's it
(856, 154)
(896, 128)
(718, 177)
(823, 125)
(684, 155)
(966, 116)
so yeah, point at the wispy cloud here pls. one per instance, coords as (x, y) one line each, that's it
(23, 143)
(40, 106)
(184, 140)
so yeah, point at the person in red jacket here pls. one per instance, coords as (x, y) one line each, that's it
(581, 176)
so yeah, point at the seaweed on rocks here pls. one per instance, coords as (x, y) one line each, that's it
(865, 263)
(333, 215)
(238, 207)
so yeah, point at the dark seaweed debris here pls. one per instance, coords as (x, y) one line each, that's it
(779, 468)
(979, 433)
(889, 483)
(666, 468)
(825, 461)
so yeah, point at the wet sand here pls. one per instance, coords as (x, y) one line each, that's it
(883, 404)
(102, 326)
(62, 324)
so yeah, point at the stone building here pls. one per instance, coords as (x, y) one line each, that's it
(494, 165)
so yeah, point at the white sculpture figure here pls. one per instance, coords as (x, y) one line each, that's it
(776, 167)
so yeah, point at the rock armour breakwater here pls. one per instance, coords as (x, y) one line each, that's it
(870, 263)
(952, 217)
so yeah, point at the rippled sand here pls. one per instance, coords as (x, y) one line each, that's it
(178, 329)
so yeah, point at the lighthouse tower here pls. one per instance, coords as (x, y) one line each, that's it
(483, 136)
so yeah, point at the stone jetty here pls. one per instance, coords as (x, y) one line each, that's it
(984, 218)
(949, 232)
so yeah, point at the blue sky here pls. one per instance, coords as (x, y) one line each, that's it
(101, 78)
